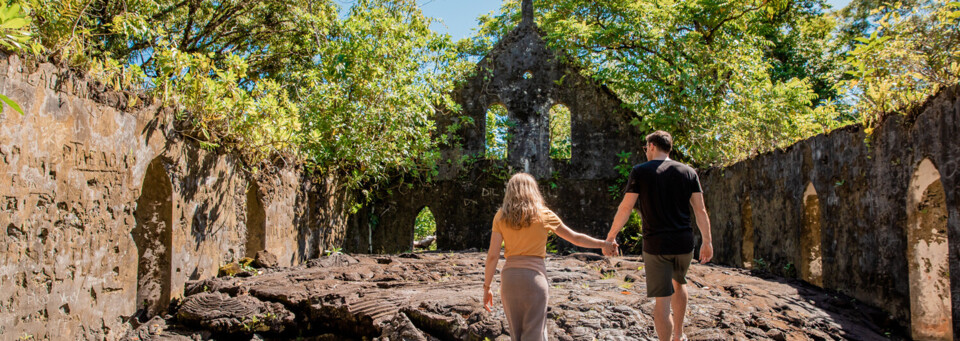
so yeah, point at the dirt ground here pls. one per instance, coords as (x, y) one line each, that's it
(437, 296)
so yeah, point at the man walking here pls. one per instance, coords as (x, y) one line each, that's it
(665, 190)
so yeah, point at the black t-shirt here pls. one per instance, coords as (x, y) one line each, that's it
(664, 188)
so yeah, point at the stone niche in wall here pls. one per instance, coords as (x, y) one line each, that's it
(811, 257)
(927, 255)
(153, 236)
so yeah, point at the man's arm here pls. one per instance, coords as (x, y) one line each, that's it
(623, 214)
(703, 222)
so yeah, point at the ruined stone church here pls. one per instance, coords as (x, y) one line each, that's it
(109, 212)
(527, 78)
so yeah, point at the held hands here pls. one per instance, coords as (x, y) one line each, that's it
(611, 248)
(488, 298)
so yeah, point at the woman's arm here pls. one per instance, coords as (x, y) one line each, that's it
(493, 257)
(582, 240)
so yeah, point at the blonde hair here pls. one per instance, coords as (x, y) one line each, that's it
(521, 201)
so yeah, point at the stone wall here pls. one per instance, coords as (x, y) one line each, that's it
(108, 211)
(869, 194)
(528, 78)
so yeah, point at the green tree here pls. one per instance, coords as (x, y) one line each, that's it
(351, 96)
(859, 17)
(368, 104)
(220, 62)
(271, 36)
(802, 46)
(910, 54)
(700, 69)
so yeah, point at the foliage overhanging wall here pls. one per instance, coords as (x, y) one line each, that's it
(106, 207)
(862, 183)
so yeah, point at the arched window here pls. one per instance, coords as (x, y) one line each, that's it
(497, 137)
(928, 256)
(561, 147)
(811, 260)
(153, 235)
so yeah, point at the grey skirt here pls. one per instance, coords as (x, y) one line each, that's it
(524, 293)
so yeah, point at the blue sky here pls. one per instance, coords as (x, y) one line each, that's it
(460, 16)
(838, 4)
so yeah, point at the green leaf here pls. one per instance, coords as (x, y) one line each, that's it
(14, 23)
(7, 12)
(11, 103)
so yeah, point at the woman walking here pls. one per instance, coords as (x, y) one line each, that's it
(521, 226)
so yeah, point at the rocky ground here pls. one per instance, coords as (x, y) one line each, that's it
(437, 296)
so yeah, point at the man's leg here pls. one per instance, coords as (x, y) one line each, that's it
(659, 270)
(679, 304)
(681, 263)
(661, 318)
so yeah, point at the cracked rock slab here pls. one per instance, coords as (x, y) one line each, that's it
(224, 314)
(437, 296)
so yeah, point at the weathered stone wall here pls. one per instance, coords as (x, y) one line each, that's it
(467, 195)
(862, 184)
(105, 206)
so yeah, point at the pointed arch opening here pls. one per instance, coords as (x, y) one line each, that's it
(153, 235)
(811, 254)
(928, 256)
(256, 222)
(748, 243)
(561, 145)
(425, 230)
(497, 132)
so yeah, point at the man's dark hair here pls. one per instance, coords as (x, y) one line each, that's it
(662, 140)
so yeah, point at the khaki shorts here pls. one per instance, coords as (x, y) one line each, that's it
(661, 269)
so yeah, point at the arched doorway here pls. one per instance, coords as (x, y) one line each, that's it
(746, 223)
(256, 222)
(425, 230)
(561, 145)
(811, 259)
(154, 238)
(928, 256)
(496, 132)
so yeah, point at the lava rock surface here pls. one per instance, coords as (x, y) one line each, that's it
(437, 296)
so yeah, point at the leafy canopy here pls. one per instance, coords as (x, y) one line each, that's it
(699, 69)
(352, 94)
(905, 55)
